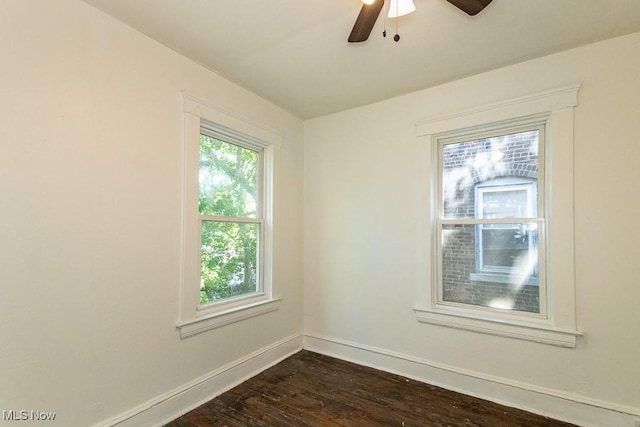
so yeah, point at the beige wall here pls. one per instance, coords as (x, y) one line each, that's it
(90, 226)
(90, 193)
(365, 190)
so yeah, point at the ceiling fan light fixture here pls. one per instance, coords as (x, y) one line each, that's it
(368, 1)
(400, 8)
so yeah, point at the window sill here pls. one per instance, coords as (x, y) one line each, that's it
(192, 327)
(539, 333)
(500, 278)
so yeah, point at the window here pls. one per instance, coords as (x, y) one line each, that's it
(227, 219)
(499, 242)
(501, 249)
(488, 221)
(231, 218)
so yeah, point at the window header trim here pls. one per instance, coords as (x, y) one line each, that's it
(542, 102)
(228, 124)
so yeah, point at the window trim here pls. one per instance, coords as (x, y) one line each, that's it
(558, 326)
(195, 318)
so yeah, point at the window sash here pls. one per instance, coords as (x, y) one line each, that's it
(259, 285)
(234, 138)
(495, 131)
(441, 220)
(229, 136)
(541, 271)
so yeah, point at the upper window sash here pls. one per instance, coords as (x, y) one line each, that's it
(536, 123)
(246, 142)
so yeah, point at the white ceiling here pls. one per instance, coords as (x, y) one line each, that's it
(295, 52)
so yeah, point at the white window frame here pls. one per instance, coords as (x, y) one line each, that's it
(557, 325)
(201, 117)
(536, 122)
(215, 131)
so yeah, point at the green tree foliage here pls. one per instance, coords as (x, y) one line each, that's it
(229, 188)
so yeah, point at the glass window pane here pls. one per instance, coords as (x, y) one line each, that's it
(506, 247)
(466, 165)
(228, 179)
(504, 202)
(502, 275)
(229, 260)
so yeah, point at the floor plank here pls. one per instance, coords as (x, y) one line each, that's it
(310, 389)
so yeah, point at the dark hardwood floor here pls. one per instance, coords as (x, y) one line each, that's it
(309, 389)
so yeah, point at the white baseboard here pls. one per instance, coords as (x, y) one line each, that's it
(560, 405)
(556, 404)
(181, 400)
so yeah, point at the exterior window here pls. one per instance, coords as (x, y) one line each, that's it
(489, 225)
(229, 169)
(230, 219)
(501, 249)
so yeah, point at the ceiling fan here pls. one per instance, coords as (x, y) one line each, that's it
(371, 9)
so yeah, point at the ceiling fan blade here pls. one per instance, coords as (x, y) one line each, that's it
(471, 7)
(365, 21)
